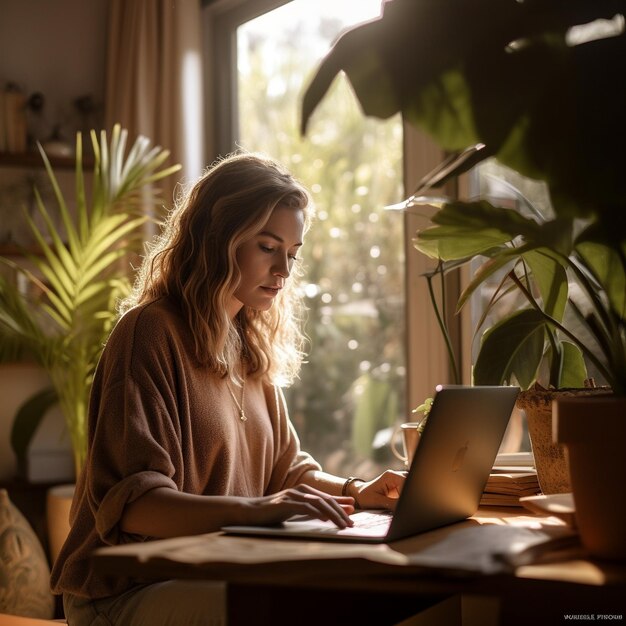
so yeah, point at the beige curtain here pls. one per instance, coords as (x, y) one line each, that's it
(154, 79)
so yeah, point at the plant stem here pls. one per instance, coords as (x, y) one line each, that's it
(443, 327)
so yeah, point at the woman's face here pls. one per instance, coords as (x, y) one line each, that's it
(265, 261)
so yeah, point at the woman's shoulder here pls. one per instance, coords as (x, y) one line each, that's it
(159, 309)
(151, 323)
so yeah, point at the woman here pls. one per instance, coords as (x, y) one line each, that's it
(188, 428)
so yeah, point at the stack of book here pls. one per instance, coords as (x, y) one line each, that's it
(505, 488)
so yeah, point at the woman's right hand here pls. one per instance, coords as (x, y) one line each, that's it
(300, 500)
(151, 514)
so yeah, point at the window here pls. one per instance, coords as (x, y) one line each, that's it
(352, 389)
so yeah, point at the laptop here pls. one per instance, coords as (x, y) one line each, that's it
(444, 484)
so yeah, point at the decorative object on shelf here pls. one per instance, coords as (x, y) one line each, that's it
(87, 110)
(80, 273)
(13, 119)
(36, 120)
(56, 145)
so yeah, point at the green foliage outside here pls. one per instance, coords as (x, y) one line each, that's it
(353, 384)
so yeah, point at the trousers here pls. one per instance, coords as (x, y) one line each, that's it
(170, 603)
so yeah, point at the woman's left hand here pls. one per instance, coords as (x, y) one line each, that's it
(380, 493)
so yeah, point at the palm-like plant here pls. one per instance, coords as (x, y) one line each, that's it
(79, 272)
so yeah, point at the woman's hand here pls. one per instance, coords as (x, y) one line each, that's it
(300, 500)
(381, 493)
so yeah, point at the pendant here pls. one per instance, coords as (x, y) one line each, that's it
(242, 416)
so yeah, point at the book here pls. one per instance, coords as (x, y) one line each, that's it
(506, 488)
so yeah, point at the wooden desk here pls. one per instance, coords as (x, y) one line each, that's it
(489, 557)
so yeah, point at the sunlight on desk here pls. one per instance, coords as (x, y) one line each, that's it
(491, 563)
(487, 543)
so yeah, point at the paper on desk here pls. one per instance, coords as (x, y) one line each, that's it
(491, 549)
(474, 549)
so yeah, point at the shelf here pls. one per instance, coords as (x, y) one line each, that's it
(34, 160)
(10, 249)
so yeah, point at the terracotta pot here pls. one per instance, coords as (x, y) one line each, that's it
(594, 432)
(550, 457)
(58, 504)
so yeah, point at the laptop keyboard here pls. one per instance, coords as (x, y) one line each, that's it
(371, 519)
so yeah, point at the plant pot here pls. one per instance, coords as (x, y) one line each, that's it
(550, 458)
(58, 504)
(594, 432)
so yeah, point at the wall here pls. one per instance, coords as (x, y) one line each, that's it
(50, 453)
(56, 47)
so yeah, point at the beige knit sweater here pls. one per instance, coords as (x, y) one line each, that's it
(156, 419)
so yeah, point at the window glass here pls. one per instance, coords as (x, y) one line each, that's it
(352, 389)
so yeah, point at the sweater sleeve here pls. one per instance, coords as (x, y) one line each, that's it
(136, 433)
(291, 462)
(129, 458)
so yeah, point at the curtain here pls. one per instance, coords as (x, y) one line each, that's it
(154, 80)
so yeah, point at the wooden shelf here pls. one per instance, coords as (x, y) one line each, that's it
(34, 160)
(10, 249)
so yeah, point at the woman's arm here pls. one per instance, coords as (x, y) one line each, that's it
(380, 493)
(165, 512)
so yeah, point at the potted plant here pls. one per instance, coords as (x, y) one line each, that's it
(78, 269)
(534, 345)
(538, 85)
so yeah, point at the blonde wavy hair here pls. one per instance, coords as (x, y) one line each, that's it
(193, 263)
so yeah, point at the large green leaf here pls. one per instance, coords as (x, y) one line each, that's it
(607, 265)
(573, 370)
(443, 108)
(464, 229)
(510, 81)
(511, 350)
(485, 271)
(66, 217)
(551, 278)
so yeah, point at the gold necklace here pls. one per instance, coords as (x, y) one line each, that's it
(240, 406)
